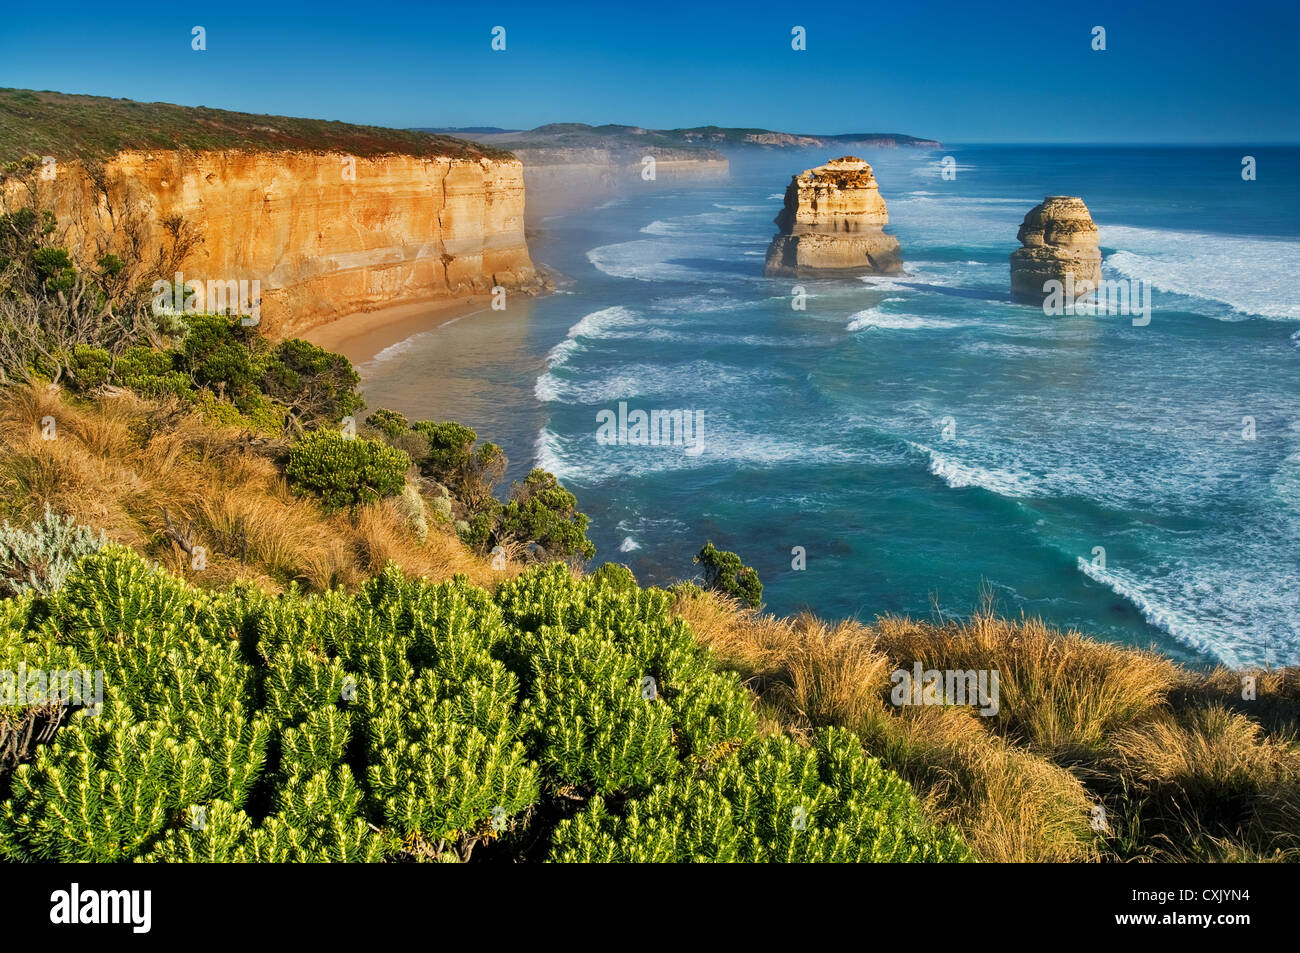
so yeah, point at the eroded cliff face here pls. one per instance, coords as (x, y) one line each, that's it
(325, 234)
(833, 219)
(1059, 239)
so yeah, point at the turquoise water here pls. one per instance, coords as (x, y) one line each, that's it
(926, 442)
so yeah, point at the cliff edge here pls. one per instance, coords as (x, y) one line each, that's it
(328, 218)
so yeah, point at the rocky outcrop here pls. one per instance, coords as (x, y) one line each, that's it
(833, 220)
(325, 234)
(1059, 240)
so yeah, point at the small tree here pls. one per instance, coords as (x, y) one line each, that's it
(390, 423)
(316, 386)
(725, 572)
(542, 511)
(471, 473)
(219, 353)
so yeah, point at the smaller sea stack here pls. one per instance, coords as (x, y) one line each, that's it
(833, 221)
(1059, 238)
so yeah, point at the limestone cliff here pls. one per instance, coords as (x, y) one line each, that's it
(325, 233)
(1059, 238)
(833, 219)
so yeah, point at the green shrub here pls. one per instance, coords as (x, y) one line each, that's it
(397, 432)
(152, 373)
(725, 572)
(89, 367)
(315, 385)
(615, 576)
(219, 352)
(775, 802)
(477, 531)
(389, 422)
(412, 721)
(542, 511)
(470, 472)
(53, 267)
(345, 472)
(450, 445)
(39, 558)
(221, 361)
(587, 649)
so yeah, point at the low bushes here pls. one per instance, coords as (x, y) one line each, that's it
(539, 519)
(345, 472)
(292, 384)
(543, 512)
(562, 719)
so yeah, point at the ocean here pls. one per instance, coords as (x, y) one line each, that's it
(918, 442)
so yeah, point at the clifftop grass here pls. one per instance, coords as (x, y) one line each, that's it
(1098, 751)
(98, 127)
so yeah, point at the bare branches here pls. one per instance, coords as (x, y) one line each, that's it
(182, 238)
(182, 536)
(79, 286)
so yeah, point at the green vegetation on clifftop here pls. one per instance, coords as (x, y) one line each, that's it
(560, 719)
(97, 127)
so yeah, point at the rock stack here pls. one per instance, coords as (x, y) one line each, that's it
(833, 220)
(1059, 239)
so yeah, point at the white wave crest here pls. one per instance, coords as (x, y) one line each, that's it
(1168, 619)
(597, 324)
(1251, 276)
(957, 475)
(875, 318)
(548, 454)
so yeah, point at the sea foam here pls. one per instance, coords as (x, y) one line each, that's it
(1251, 276)
(876, 318)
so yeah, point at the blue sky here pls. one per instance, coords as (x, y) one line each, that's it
(957, 71)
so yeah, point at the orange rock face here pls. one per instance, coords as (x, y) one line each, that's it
(833, 219)
(324, 234)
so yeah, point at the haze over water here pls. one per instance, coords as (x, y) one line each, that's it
(825, 428)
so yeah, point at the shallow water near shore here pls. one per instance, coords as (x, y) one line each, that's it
(925, 441)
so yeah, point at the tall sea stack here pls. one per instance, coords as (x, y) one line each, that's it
(1059, 238)
(833, 220)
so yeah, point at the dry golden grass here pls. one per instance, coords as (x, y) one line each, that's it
(118, 462)
(1217, 774)
(1060, 694)
(833, 675)
(1082, 724)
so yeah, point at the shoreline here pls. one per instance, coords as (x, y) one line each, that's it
(363, 334)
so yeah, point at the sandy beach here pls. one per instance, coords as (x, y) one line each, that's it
(362, 335)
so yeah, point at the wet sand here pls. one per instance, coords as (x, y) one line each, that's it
(359, 337)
